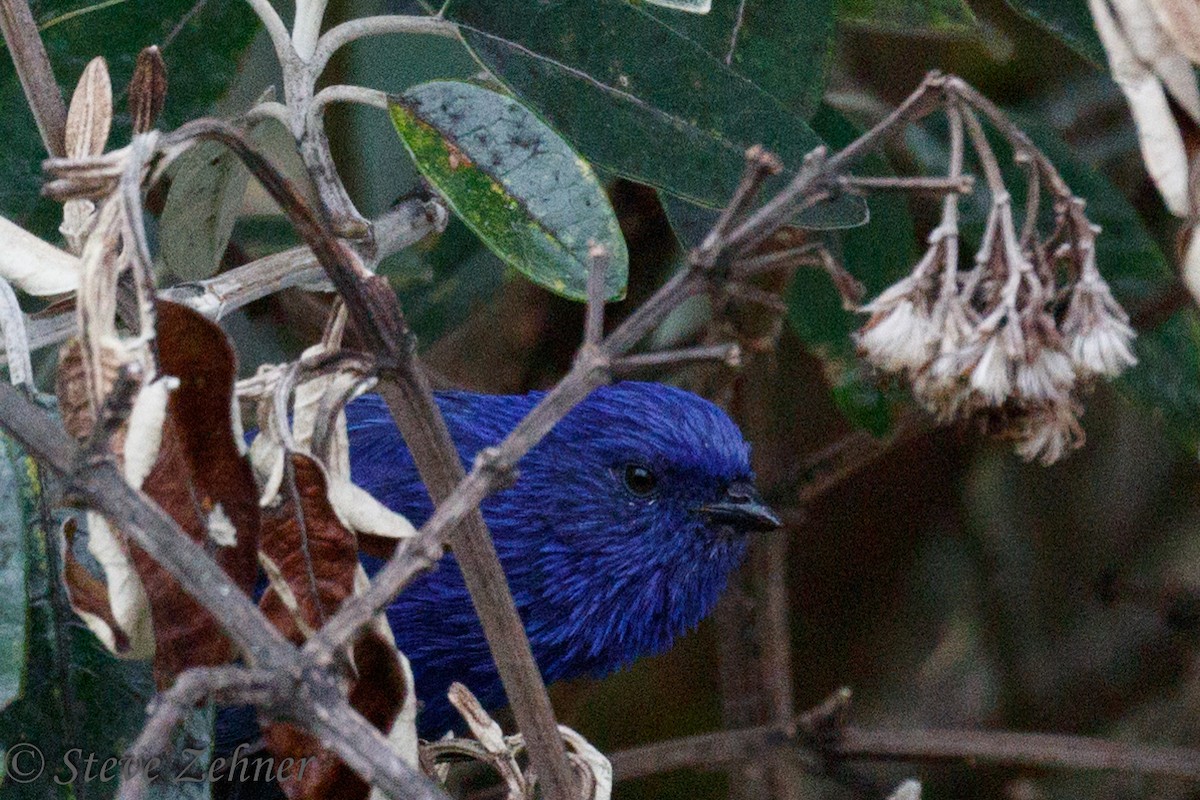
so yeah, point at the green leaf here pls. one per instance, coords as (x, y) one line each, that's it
(75, 695)
(443, 279)
(1067, 20)
(520, 187)
(878, 254)
(909, 16)
(207, 186)
(14, 605)
(648, 93)
(780, 46)
(201, 64)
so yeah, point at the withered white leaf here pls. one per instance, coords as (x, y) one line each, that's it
(34, 266)
(127, 594)
(1181, 19)
(1155, 48)
(1158, 135)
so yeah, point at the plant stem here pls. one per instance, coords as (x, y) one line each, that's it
(36, 75)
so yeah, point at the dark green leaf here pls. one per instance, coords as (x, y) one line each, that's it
(878, 254)
(910, 16)
(14, 606)
(781, 46)
(1068, 20)
(443, 280)
(200, 42)
(519, 186)
(76, 696)
(639, 96)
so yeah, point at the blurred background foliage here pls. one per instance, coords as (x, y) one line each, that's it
(947, 583)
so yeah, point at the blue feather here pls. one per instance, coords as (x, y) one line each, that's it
(600, 575)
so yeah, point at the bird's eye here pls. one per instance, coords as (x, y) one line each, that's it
(640, 480)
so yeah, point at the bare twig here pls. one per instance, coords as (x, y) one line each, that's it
(376, 315)
(221, 684)
(312, 697)
(347, 32)
(37, 77)
(1003, 748)
(225, 293)
(728, 354)
(963, 184)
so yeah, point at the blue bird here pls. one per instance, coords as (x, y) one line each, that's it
(619, 534)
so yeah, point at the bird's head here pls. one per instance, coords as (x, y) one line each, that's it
(646, 498)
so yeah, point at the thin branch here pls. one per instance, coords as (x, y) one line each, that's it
(313, 698)
(347, 32)
(728, 354)
(377, 318)
(306, 27)
(230, 685)
(1003, 748)
(37, 77)
(222, 294)
(593, 325)
(280, 39)
(962, 184)
(341, 93)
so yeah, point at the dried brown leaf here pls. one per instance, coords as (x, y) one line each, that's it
(147, 89)
(317, 558)
(89, 117)
(199, 471)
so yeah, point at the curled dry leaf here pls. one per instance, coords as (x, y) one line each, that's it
(315, 566)
(1181, 19)
(124, 623)
(89, 596)
(502, 753)
(89, 117)
(198, 468)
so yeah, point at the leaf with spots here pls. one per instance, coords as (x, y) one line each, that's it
(531, 199)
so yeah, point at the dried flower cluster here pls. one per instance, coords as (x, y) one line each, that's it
(1015, 340)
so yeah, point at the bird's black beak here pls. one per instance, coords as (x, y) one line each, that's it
(742, 508)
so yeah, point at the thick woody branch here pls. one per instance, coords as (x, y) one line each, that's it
(311, 697)
(37, 77)
(376, 316)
